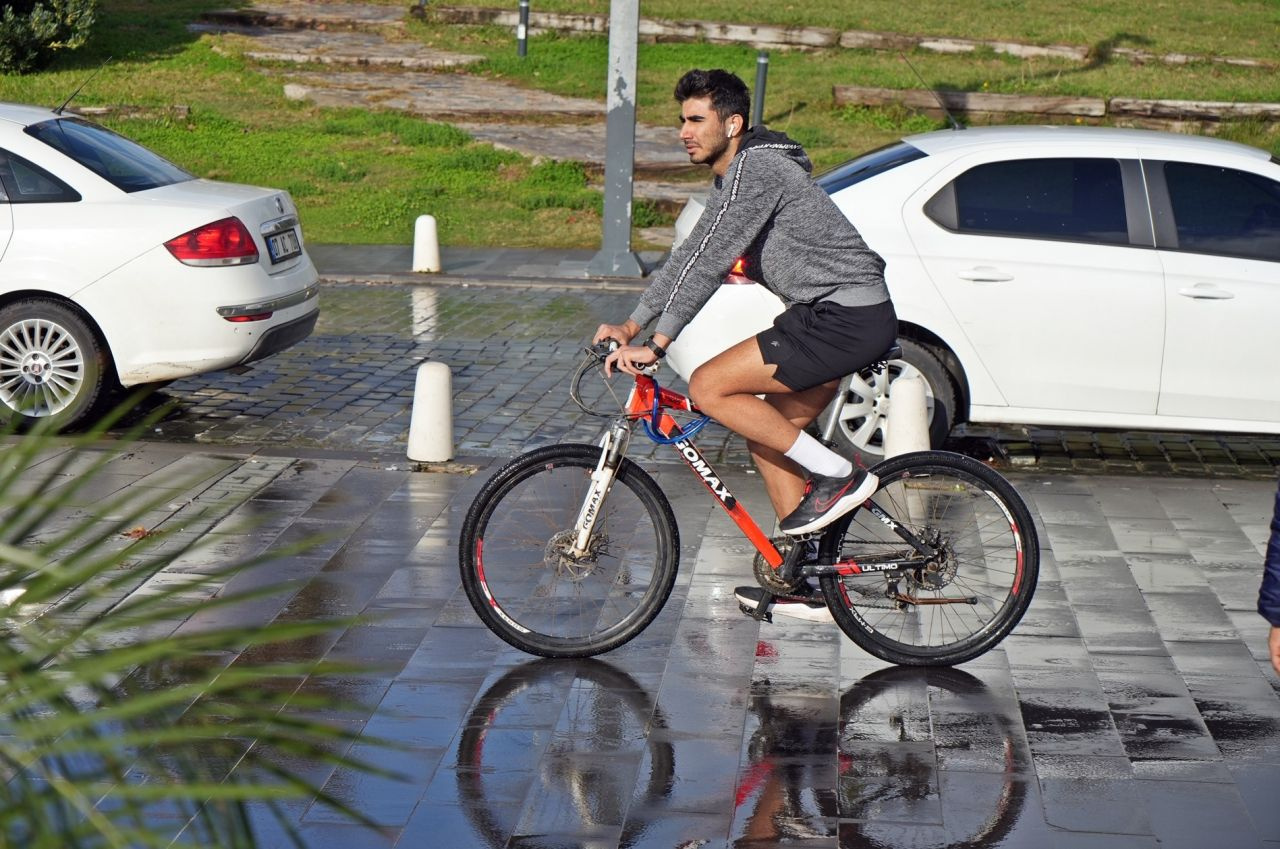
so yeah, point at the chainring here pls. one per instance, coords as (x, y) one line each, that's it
(767, 577)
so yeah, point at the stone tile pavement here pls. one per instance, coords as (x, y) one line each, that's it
(1131, 708)
(511, 343)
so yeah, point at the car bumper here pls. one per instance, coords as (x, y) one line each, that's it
(163, 320)
(283, 336)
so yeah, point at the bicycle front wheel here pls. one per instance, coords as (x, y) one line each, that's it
(968, 597)
(524, 580)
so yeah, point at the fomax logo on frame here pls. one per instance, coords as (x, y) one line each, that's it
(699, 465)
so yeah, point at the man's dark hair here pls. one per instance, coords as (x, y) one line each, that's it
(728, 93)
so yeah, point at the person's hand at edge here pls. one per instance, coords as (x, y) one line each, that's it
(620, 333)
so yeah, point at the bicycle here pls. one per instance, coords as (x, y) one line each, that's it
(572, 550)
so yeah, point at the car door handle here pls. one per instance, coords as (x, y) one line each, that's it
(1206, 292)
(984, 274)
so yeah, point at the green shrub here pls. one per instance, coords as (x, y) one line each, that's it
(32, 31)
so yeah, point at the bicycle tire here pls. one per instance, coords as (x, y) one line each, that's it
(973, 732)
(994, 559)
(589, 702)
(524, 589)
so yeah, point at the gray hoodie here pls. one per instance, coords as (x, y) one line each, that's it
(796, 242)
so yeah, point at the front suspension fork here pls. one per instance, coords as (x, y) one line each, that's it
(613, 445)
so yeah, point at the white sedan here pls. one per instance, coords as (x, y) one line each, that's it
(1072, 276)
(117, 268)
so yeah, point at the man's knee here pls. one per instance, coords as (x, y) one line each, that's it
(702, 388)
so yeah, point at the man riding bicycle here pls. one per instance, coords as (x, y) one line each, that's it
(838, 319)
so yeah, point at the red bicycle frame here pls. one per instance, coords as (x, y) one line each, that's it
(640, 405)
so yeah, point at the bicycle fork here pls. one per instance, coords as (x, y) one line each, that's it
(612, 446)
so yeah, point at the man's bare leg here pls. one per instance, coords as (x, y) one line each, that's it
(726, 388)
(783, 477)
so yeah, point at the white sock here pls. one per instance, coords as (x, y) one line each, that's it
(818, 458)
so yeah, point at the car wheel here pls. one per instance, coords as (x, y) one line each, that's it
(52, 366)
(862, 420)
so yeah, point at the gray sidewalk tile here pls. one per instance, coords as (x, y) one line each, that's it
(1132, 690)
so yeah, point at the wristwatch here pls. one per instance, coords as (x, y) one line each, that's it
(655, 347)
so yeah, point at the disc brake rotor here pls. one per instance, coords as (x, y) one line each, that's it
(560, 558)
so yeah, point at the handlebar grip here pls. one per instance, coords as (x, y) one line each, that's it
(605, 347)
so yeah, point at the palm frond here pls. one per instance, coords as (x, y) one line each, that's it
(120, 725)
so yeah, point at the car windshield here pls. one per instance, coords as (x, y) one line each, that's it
(125, 164)
(868, 165)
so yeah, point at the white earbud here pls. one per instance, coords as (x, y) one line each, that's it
(729, 130)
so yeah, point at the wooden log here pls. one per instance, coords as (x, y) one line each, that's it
(656, 30)
(805, 37)
(971, 101)
(1191, 110)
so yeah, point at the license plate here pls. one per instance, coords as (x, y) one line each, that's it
(283, 245)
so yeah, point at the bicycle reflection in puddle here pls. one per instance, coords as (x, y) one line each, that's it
(600, 767)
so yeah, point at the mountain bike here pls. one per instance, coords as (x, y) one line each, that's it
(572, 550)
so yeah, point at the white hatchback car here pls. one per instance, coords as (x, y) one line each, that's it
(1073, 276)
(117, 268)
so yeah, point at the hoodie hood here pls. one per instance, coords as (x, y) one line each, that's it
(761, 136)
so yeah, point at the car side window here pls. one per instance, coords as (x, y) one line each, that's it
(1224, 211)
(25, 182)
(1080, 200)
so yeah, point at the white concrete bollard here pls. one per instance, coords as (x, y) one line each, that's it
(431, 420)
(426, 244)
(907, 423)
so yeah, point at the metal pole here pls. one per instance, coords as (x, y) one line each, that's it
(616, 259)
(762, 75)
(522, 31)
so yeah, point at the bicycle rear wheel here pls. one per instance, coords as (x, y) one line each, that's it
(970, 597)
(528, 588)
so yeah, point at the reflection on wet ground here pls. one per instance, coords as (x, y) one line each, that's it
(1123, 711)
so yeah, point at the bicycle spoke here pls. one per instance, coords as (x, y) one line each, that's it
(963, 596)
(525, 575)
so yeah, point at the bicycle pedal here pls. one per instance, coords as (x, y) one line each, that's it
(761, 614)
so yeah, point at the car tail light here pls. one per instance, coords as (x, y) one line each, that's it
(225, 242)
(738, 274)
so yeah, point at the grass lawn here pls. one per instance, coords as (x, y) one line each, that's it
(363, 177)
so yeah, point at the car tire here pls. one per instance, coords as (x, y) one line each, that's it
(53, 368)
(862, 419)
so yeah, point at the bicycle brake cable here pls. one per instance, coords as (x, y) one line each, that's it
(651, 429)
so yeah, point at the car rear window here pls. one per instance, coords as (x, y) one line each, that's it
(1224, 211)
(1072, 199)
(868, 165)
(125, 164)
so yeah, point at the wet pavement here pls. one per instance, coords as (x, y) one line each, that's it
(1132, 707)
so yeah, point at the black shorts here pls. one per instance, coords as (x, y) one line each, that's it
(814, 343)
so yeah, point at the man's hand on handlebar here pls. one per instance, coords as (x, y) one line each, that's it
(628, 358)
(631, 359)
(621, 333)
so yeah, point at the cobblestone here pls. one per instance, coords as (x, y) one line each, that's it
(511, 350)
